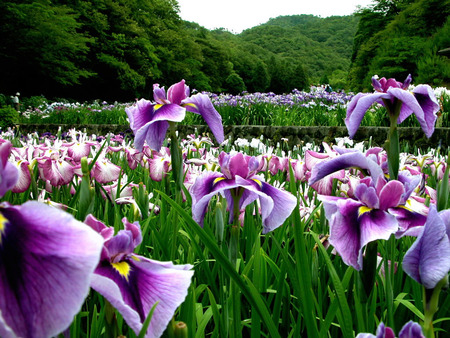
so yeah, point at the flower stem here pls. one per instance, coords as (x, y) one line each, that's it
(235, 296)
(392, 145)
(177, 157)
(430, 300)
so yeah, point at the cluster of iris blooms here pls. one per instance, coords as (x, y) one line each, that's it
(41, 244)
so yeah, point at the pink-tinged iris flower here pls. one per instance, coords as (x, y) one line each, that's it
(47, 259)
(150, 121)
(409, 330)
(421, 101)
(133, 283)
(428, 259)
(239, 174)
(8, 171)
(371, 214)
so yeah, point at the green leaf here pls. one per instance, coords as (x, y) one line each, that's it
(192, 228)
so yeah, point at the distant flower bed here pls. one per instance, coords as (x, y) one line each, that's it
(299, 108)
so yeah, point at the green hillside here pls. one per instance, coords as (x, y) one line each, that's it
(117, 49)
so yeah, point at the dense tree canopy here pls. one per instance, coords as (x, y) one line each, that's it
(117, 49)
(400, 37)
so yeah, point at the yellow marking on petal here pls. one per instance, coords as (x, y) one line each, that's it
(363, 210)
(217, 180)
(157, 106)
(257, 181)
(123, 268)
(190, 105)
(137, 259)
(3, 221)
(407, 206)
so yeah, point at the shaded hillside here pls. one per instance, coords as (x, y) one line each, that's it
(397, 38)
(323, 44)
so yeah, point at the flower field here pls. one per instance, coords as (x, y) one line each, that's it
(196, 237)
(299, 108)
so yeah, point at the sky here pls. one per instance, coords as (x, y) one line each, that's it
(238, 15)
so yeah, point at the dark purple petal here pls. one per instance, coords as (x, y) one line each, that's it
(407, 82)
(376, 224)
(276, 204)
(358, 107)
(367, 195)
(201, 104)
(238, 166)
(140, 114)
(137, 284)
(427, 260)
(205, 187)
(411, 330)
(177, 92)
(46, 263)
(410, 223)
(159, 94)
(430, 105)
(409, 100)
(345, 232)
(345, 161)
(391, 195)
(150, 123)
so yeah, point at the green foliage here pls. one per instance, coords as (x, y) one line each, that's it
(234, 84)
(41, 45)
(397, 38)
(9, 117)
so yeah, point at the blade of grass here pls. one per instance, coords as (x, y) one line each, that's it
(192, 228)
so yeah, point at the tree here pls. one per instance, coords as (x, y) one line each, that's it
(42, 47)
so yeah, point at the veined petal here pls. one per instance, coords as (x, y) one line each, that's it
(205, 187)
(391, 195)
(376, 224)
(238, 166)
(177, 92)
(345, 232)
(140, 114)
(154, 133)
(430, 106)
(201, 104)
(276, 204)
(358, 107)
(46, 262)
(410, 100)
(155, 127)
(134, 288)
(345, 161)
(427, 260)
(410, 222)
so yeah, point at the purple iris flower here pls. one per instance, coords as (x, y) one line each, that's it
(133, 283)
(47, 259)
(421, 101)
(428, 260)
(409, 330)
(371, 214)
(9, 173)
(239, 175)
(150, 121)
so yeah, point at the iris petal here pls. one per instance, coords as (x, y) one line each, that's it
(147, 282)
(46, 262)
(427, 261)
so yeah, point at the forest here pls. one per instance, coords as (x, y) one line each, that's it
(117, 49)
